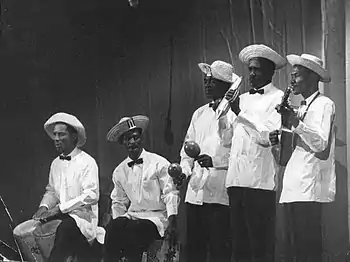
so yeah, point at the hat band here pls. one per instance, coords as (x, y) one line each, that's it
(131, 123)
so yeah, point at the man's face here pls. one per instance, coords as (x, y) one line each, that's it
(299, 79)
(260, 72)
(132, 141)
(214, 88)
(64, 140)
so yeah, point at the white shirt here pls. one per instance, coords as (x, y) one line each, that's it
(310, 172)
(251, 162)
(74, 186)
(214, 139)
(145, 191)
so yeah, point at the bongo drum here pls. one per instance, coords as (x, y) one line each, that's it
(35, 239)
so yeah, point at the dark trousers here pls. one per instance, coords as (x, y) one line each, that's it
(208, 233)
(304, 230)
(128, 238)
(252, 215)
(69, 241)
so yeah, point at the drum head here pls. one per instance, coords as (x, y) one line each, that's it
(27, 227)
(47, 229)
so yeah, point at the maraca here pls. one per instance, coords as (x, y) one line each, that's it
(175, 171)
(192, 149)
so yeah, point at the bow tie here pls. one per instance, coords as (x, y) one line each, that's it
(137, 161)
(68, 158)
(254, 91)
(213, 105)
(303, 103)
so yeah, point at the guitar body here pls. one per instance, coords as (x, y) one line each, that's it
(287, 147)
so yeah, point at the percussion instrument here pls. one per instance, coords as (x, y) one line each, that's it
(192, 149)
(224, 105)
(36, 239)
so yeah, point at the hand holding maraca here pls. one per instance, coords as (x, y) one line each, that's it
(175, 171)
(193, 150)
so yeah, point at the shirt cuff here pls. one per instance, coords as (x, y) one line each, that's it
(171, 209)
(63, 208)
(299, 129)
(44, 205)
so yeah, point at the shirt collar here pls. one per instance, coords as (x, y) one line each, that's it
(310, 98)
(267, 88)
(74, 153)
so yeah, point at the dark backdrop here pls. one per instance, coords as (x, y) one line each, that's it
(101, 60)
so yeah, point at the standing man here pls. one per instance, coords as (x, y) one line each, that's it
(309, 178)
(206, 200)
(72, 192)
(144, 198)
(252, 170)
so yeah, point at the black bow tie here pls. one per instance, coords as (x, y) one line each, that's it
(214, 105)
(254, 91)
(68, 158)
(303, 103)
(137, 161)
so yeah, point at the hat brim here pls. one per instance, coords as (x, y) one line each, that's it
(69, 120)
(207, 69)
(298, 60)
(122, 127)
(254, 51)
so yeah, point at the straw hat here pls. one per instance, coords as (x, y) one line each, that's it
(69, 120)
(220, 70)
(311, 62)
(125, 124)
(254, 51)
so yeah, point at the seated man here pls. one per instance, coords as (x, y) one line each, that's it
(72, 192)
(144, 198)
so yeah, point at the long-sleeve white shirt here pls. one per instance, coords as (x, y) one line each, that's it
(145, 191)
(310, 172)
(251, 160)
(74, 187)
(213, 137)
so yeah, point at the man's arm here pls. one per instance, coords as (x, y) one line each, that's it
(169, 195)
(316, 134)
(90, 190)
(120, 200)
(263, 127)
(225, 131)
(50, 199)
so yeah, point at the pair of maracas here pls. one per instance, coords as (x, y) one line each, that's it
(193, 150)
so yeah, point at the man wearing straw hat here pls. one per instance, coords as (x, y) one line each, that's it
(72, 192)
(309, 178)
(252, 170)
(144, 198)
(208, 216)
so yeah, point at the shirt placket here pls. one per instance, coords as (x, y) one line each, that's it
(137, 188)
(63, 189)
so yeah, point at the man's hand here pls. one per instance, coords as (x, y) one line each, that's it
(170, 232)
(289, 117)
(204, 161)
(234, 103)
(42, 212)
(51, 214)
(178, 181)
(273, 136)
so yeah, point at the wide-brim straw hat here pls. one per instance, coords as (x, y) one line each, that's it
(312, 63)
(125, 124)
(69, 120)
(219, 70)
(258, 50)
